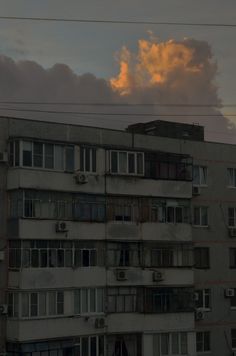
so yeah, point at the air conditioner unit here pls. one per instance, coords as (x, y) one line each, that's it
(196, 190)
(229, 292)
(3, 156)
(157, 276)
(3, 309)
(99, 323)
(199, 314)
(2, 255)
(61, 226)
(121, 275)
(81, 178)
(196, 297)
(232, 232)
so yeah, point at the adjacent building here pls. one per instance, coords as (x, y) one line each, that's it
(116, 243)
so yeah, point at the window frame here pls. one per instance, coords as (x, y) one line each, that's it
(88, 291)
(201, 265)
(20, 142)
(127, 173)
(204, 294)
(203, 176)
(201, 225)
(203, 341)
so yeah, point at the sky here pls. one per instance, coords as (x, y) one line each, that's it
(98, 49)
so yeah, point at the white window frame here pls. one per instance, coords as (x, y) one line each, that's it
(83, 149)
(88, 291)
(127, 163)
(202, 174)
(200, 215)
(63, 145)
(204, 294)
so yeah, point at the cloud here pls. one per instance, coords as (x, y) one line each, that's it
(174, 72)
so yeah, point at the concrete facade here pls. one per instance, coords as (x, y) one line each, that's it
(105, 267)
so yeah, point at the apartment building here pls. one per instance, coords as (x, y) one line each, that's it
(116, 243)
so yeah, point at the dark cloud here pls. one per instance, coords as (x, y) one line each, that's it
(181, 72)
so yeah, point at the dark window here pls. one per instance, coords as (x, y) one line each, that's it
(232, 257)
(27, 153)
(203, 341)
(201, 257)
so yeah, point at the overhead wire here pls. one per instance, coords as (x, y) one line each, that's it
(118, 22)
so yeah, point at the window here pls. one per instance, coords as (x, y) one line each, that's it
(203, 341)
(203, 299)
(88, 300)
(174, 212)
(232, 257)
(200, 216)
(53, 254)
(200, 175)
(233, 300)
(171, 343)
(122, 209)
(168, 300)
(35, 304)
(233, 338)
(88, 159)
(42, 155)
(232, 217)
(124, 255)
(163, 165)
(122, 300)
(85, 257)
(231, 177)
(123, 345)
(13, 305)
(171, 256)
(201, 257)
(131, 163)
(92, 346)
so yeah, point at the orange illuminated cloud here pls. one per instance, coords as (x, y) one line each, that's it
(155, 64)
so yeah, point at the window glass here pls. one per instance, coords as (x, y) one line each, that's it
(33, 304)
(49, 156)
(60, 303)
(122, 162)
(69, 155)
(59, 157)
(131, 163)
(42, 303)
(27, 153)
(38, 154)
(24, 304)
(114, 162)
(52, 303)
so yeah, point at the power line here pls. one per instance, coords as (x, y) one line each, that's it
(118, 22)
(95, 113)
(114, 104)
